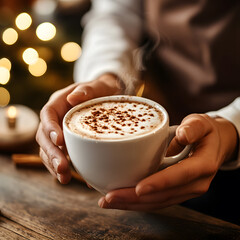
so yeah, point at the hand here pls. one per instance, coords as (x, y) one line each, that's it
(50, 136)
(215, 142)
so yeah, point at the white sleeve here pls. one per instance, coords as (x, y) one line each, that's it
(112, 32)
(231, 113)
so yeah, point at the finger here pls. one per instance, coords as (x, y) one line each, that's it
(107, 84)
(196, 188)
(62, 178)
(51, 125)
(142, 206)
(52, 114)
(193, 128)
(47, 163)
(80, 93)
(197, 166)
(119, 195)
(57, 161)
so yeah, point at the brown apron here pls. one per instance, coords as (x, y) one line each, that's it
(195, 67)
(197, 49)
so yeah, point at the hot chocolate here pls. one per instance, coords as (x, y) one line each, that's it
(115, 120)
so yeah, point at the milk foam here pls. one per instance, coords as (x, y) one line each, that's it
(115, 120)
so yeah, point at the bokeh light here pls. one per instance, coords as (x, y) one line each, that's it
(39, 68)
(4, 97)
(4, 62)
(30, 56)
(12, 112)
(23, 21)
(4, 75)
(45, 7)
(71, 51)
(46, 31)
(10, 36)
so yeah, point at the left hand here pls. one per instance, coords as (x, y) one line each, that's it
(215, 142)
(50, 136)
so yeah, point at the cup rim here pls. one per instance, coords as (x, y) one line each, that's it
(117, 98)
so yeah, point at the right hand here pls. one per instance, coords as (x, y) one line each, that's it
(215, 141)
(50, 136)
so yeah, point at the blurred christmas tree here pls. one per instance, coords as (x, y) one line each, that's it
(40, 40)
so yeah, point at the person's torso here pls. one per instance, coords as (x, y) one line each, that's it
(197, 43)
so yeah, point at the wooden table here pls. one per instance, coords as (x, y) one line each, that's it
(35, 206)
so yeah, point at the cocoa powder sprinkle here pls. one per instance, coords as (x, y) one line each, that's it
(116, 119)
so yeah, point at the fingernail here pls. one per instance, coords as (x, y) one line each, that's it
(182, 135)
(56, 163)
(59, 177)
(144, 190)
(53, 137)
(79, 93)
(83, 92)
(101, 202)
(185, 133)
(112, 199)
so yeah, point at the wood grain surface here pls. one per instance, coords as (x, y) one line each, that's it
(33, 205)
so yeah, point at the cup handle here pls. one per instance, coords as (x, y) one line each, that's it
(168, 161)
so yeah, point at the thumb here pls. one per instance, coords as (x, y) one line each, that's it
(80, 94)
(107, 84)
(193, 128)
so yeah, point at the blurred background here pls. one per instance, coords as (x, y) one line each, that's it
(39, 42)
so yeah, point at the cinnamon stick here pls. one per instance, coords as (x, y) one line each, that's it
(31, 160)
(27, 160)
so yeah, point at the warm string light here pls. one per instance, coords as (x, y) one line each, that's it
(30, 56)
(4, 75)
(4, 97)
(10, 36)
(39, 68)
(36, 65)
(5, 67)
(70, 51)
(46, 31)
(4, 62)
(23, 21)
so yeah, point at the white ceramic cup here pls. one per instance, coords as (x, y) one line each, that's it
(108, 164)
